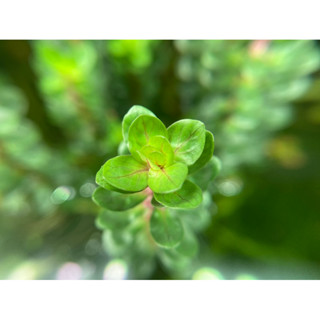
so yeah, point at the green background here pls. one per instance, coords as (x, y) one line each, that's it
(61, 106)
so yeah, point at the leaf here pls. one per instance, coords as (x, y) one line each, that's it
(187, 138)
(116, 201)
(206, 153)
(101, 181)
(163, 145)
(189, 244)
(130, 116)
(155, 203)
(165, 228)
(123, 149)
(141, 130)
(125, 173)
(206, 174)
(188, 197)
(167, 179)
(158, 153)
(152, 157)
(112, 220)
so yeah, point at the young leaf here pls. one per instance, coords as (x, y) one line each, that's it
(125, 173)
(163, 145)
(167, 179)
(158, 153)
(188, 197)
(130, 116)
(165, 228)
(151, 156)
(187, 138)
(206, 153)
(117, 201)
(141, 130)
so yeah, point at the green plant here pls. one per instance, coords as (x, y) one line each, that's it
(157, 167)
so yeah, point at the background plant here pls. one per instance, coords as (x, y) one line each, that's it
(61, 105)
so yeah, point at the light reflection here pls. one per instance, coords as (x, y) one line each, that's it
(69, 271)
(245, 276)
(25, 271)
(207, 274)
(230, 187)
(115, 270)
(86, 190)
(62, 194)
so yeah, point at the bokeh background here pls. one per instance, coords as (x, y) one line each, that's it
(61, 105)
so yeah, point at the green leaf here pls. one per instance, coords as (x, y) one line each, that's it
(163, 145)
(151, 156)
(165, 228)
(206, 153)
(167, 179)
(117, 201)
(155, 203)
(216, 166)
(189, 244)
(101, 181)
(112, 220)
(158, 153)
(125, 173)
(187, 138)
(123, 149)
(130, 116)
(206, 174)
(188, 197)
(141, 130)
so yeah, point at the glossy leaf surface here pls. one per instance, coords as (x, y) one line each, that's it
(141, 130)
(130, 116)
(125, 173)
(187, 138)
(165, 228)
(206, 154)
(163, 145)
(189, 196)
(101, 181)
(117, 201)
(168, 179)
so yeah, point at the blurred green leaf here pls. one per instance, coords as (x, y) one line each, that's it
(112, 220)
(206, 153)
(117, 201)
(206, 174)
(189, 244)
(166, 229)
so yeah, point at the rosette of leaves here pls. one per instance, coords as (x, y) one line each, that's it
(157, 169)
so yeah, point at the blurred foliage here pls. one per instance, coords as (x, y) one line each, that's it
(61, 105)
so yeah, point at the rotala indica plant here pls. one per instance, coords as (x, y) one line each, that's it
(156, 169)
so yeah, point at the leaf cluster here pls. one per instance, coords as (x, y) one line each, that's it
(158, 167)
